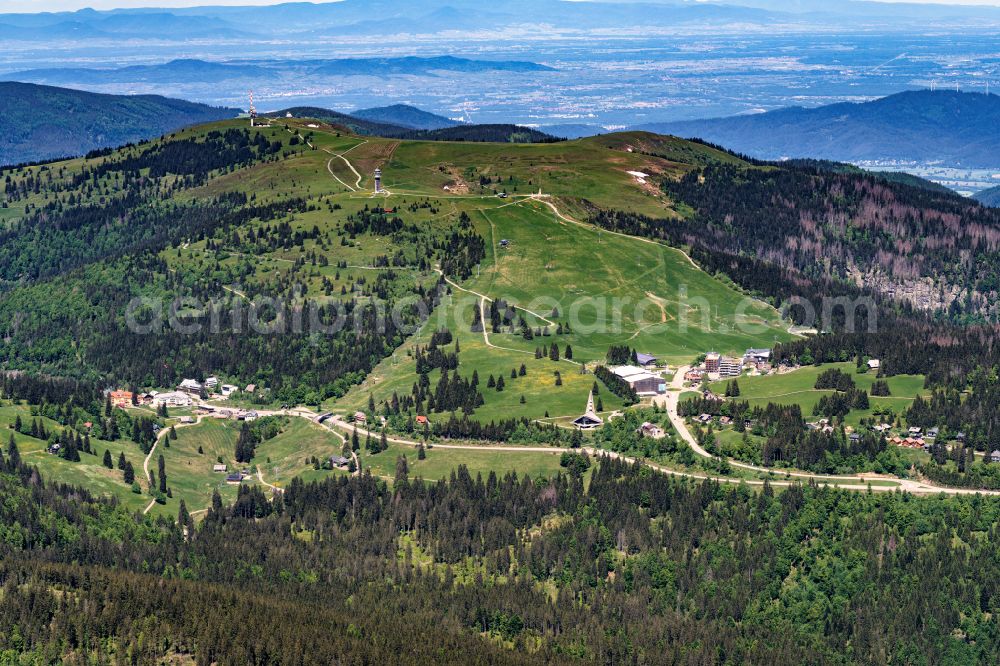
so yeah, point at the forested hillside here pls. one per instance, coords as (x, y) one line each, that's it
(103, 251)
(480, 133)
(405, 116)
(395, 332)
(42, 122)
(633, 568)
(933, 250)
(990, 197)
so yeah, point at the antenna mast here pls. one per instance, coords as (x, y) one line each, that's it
(252, 110)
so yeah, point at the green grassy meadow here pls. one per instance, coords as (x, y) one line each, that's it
(615, 289)
(284, 457)
(90, 472)
(612, 289)
(796, 388)
(189, 473)
(440, 462)
(398, 373)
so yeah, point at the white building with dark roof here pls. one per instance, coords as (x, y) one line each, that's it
(757, 356)
(642, 381)
(192, 386)
(173, 399)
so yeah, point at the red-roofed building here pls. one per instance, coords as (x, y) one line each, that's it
(121, 399)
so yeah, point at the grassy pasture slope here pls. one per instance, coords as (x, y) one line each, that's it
(90, 472)
(189, 473)
(796, 388)
(548, 259)
(398, 373)
(284, 457)
(591, 274)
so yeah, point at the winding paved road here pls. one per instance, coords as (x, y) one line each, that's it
(672, 399)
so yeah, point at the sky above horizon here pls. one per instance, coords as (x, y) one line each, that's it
(32, 6)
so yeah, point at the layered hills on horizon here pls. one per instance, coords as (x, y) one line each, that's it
(40, 123)
(404, 115)
(375, 17)
(926, 126)
(43, 122)
(194, 69)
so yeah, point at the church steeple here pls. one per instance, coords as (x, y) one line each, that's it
(590, 419)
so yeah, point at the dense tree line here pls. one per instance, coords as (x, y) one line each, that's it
(433, 356)
(821, 223)
(947, 354)
(254, 433)
(48, 244)
(835, 379)
(830, 452)
(841, 403)
(232, 148)
(782, 438)
(639, 567)
(461, 250)
(621, 355)
(616, 385)
(478, 133)
(296, 364)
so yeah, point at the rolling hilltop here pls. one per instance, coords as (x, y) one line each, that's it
(403, 115)
(990, 197)
(287, 210)
(941, 127)
(42, 122)
(340, 484)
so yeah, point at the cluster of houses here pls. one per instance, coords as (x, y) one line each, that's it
(184, 396)
(234, 414)
(705, 419)
(914, 437)
(125, 399)
(211, 385)
(719, 366)
(235, 477)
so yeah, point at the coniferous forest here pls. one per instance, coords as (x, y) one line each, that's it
(631, 568)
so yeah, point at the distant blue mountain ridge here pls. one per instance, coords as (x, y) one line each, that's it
(946, 127)
(195, 70)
